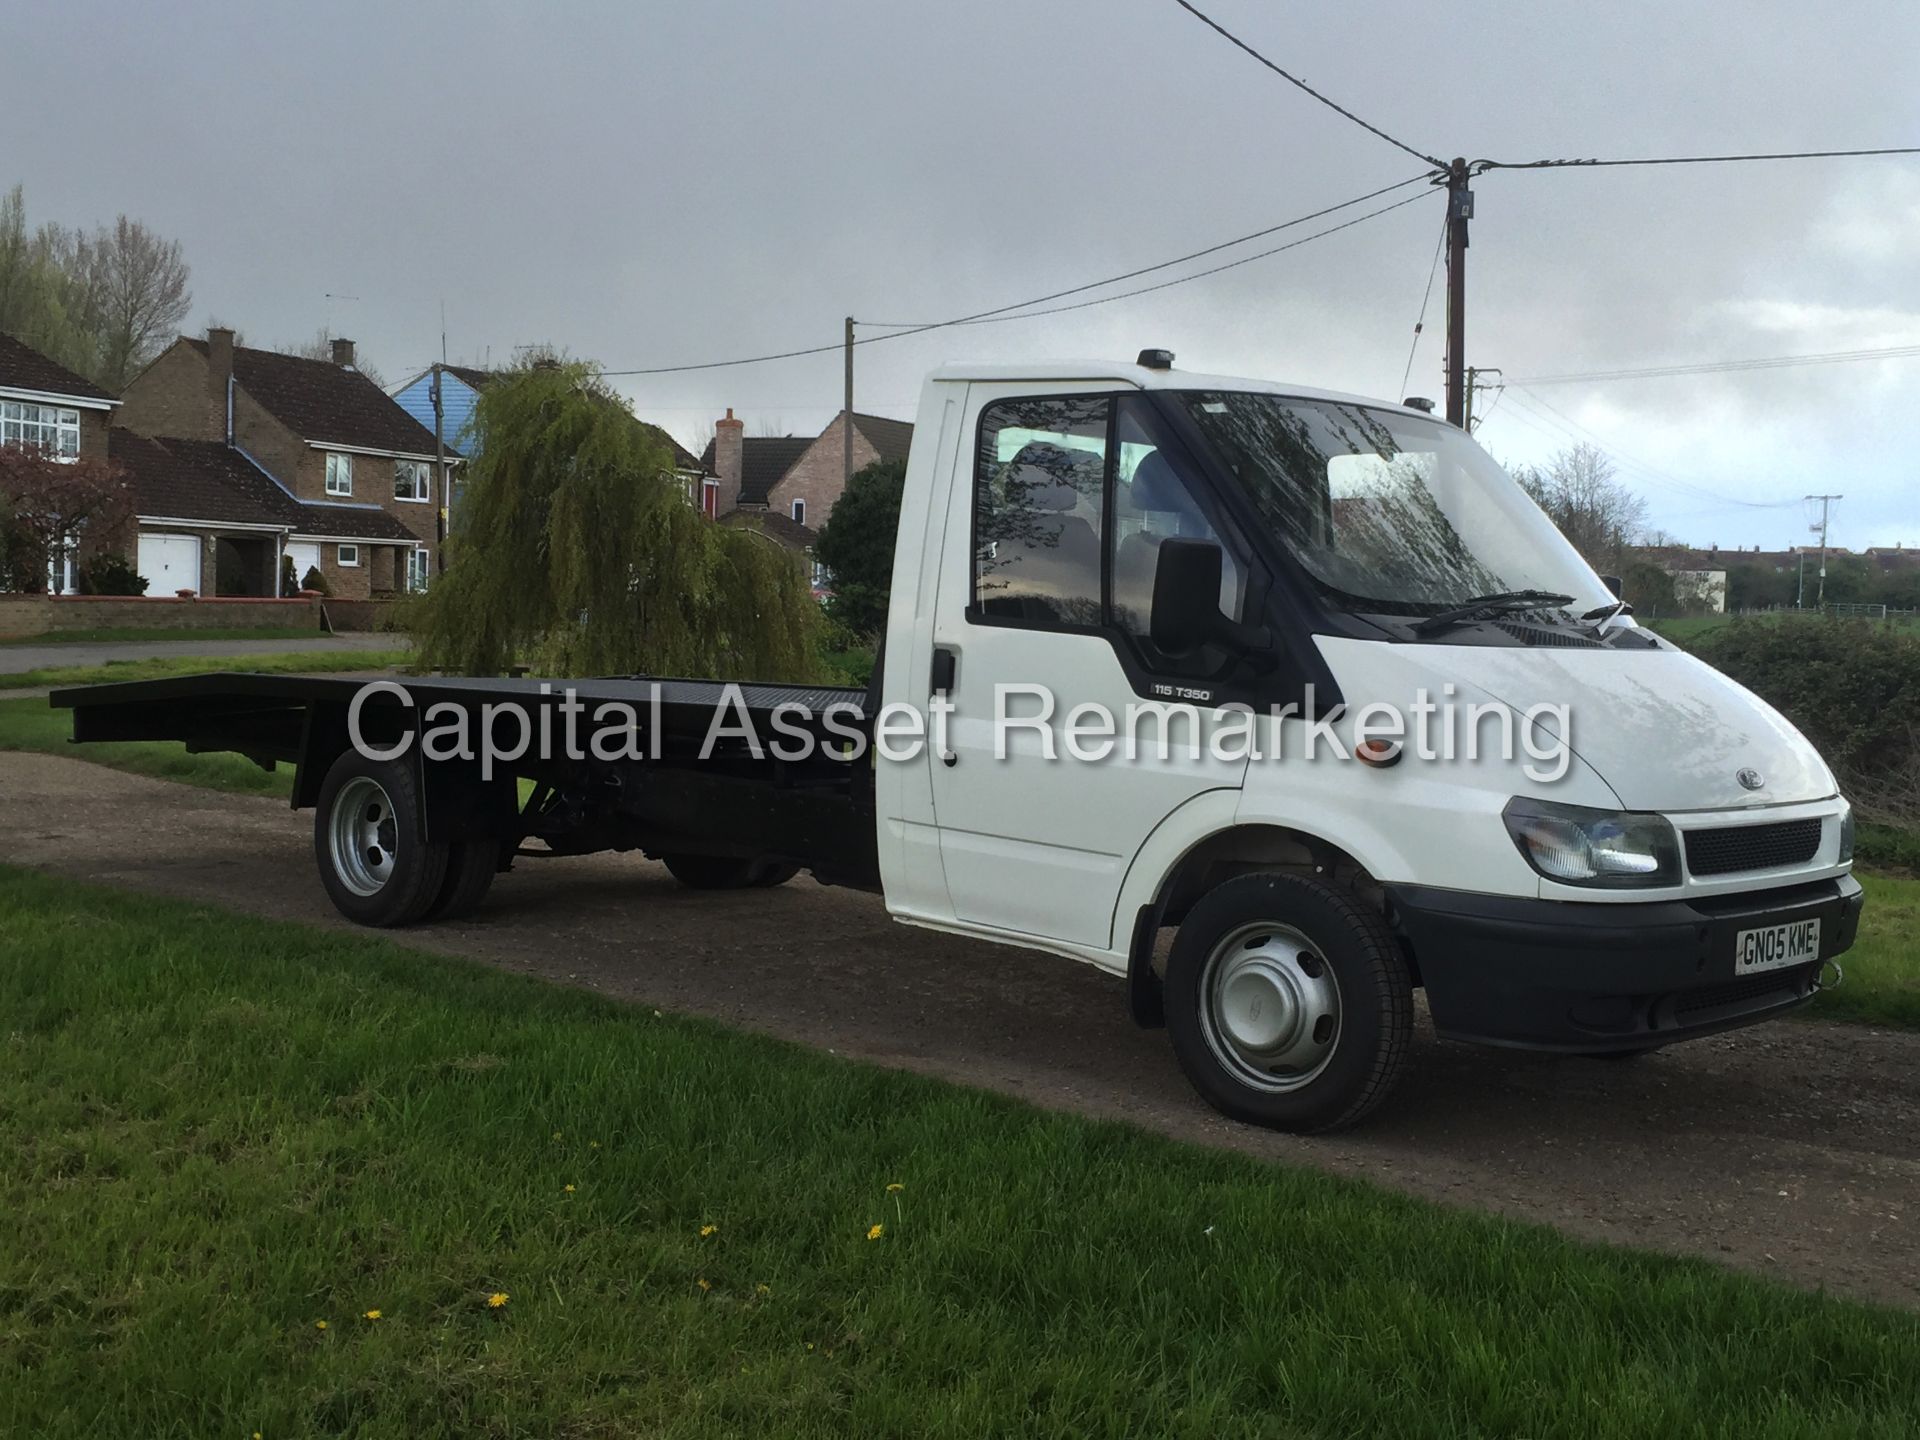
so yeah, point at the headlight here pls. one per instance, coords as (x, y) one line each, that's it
(1578, 846)
(1846, 836)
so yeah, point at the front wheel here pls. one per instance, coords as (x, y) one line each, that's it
(366, 836)
(1288, 1003)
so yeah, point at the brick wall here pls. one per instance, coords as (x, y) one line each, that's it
(818, 476)
(41, 614)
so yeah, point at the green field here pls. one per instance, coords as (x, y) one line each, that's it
(161, 667)
(131, 633)
(232, 1142)
(1688, 630)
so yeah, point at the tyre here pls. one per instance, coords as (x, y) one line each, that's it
(366, 827)
(727, 872)
(471, 866)
(1288, 1003)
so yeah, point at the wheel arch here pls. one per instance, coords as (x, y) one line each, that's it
(1174, 869)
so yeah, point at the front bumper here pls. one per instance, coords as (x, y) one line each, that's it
(1587, 977)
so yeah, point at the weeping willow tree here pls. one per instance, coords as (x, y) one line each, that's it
(577, 552)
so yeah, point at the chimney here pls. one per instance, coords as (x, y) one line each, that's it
(728, 443)
(220, 381)
(343, 353)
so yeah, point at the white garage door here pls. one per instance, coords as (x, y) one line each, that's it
(170, 563)
(305, 557)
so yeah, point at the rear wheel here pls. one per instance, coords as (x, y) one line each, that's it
(1288, 1003)
(366, 829)
(726, 872)
(471, 866)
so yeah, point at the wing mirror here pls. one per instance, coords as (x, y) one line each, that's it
(1186, 602)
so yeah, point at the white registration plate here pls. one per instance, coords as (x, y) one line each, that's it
(1774, 947)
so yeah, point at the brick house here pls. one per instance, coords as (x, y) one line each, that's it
(787, 486)
(46, 405)
(349, 475)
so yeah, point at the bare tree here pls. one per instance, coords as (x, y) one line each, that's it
(102, 303)
(139, 297)
(1582, 496)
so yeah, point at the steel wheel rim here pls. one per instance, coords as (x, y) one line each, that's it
(1270, 1007)
(364, 836)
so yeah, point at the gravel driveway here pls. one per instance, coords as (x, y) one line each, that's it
(1790, 1149)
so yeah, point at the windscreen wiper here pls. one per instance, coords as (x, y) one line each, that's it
(1604, 613)
(1490, 605)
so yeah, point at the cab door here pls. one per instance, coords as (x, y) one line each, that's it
(1034, 838)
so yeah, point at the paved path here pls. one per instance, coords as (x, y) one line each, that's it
(1792, 1149)
(15, 659)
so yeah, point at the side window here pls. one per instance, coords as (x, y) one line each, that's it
(1156, 498)
(1038, 510)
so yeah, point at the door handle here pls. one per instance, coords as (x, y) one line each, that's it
(945, 667)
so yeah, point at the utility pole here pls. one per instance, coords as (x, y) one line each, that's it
(846, 431)
(1826, 506)
(1459, 212)
(1473, 384)
(439, 470)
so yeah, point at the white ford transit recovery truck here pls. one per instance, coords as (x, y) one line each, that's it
(1574, 837)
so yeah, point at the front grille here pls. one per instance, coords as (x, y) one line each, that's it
(1734, 848)
(1755, 992)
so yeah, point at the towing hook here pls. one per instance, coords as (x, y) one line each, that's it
(1820, 981)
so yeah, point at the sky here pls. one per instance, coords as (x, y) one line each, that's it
(648, 184)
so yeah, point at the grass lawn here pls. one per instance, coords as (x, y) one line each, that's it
(160, 667)
(1882, 984)
(233, 1143)
(103, 636)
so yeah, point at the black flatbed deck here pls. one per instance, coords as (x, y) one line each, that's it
(679, 694)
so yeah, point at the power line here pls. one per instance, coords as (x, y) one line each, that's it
(1480, 166)
(1197, 275)
(1001, 312)
(1721, 367)
(1297, 82)
(1420, 322)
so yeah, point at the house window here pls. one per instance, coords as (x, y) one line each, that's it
(800, 511)
(339, 474)
(347, 555)
(419, 572)
(410, 481)
(47, 428)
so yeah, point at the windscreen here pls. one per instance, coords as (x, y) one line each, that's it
(1388, 511)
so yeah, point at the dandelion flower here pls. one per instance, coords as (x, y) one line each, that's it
(706, 1230)
(566, 1189)
(373, 1314)
(556, 1134)
(704, 1283)
(319, 1324)
(876, 1232)
(497, 1300)
(895, 1188)
(763, 1289)
(593, 1144)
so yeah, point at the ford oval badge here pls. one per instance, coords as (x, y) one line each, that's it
(1750, 778)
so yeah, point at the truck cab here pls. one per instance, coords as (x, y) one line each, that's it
(1216, 573)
